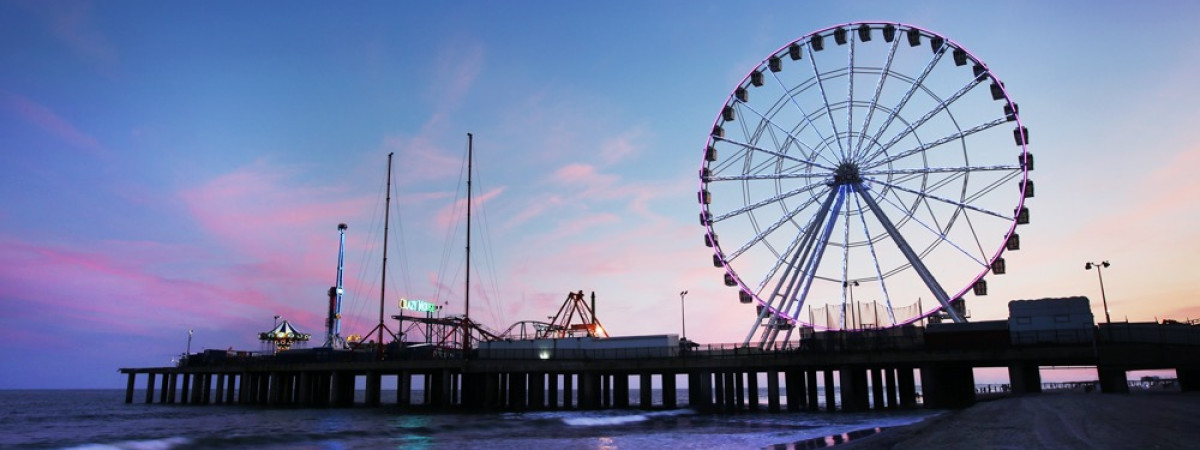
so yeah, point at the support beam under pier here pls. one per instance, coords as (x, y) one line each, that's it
(1113, 381)
(149, 388)
(950, 386)
(1189, 379)
(773, 392)
(645, 390)
(830, 394)
(668, 390)
(1025, 378)
(129, 387)
(877, 389)
(855, 396)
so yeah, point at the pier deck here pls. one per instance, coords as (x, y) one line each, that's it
(872, 371)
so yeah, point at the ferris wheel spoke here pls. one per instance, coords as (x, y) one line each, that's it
(766, 176)
(781, 261)
(992, 186)
(850, 99)
(940, 235)
(768, 124)
(875, 259)
(924, 147)
(912, 89)
(940, 199)
(975, 234)
(939, 170)
(807, 119)
(912, 127)
(922, 271)
(771, 229)
(768, 201)
(776, 154)
(825, 98)
(883, 75)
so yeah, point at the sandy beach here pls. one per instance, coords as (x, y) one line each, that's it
(1056, 421)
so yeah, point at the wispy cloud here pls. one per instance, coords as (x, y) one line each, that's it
(622, 147)
(130, 294)
(459, 62)
(263, 211)
(72, 23)
(50, 122)
(450, 215)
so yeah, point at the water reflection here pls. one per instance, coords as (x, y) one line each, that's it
(828, 441)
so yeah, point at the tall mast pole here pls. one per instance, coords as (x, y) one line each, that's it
(383, 282)
(467, 309)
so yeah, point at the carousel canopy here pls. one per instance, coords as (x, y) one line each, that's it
(284, 332)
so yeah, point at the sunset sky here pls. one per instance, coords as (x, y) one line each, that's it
(184, 165)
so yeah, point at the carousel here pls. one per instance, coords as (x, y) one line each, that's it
(283, 336)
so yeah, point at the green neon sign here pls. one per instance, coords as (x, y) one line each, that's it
(418, 305)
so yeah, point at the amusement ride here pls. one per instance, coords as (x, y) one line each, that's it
(877, 160)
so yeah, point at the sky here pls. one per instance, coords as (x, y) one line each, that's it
(184, 166)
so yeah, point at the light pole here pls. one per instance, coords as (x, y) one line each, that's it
(276, 323)
(683, 313)
(851, 285)
(189, 346)
(1103, 297)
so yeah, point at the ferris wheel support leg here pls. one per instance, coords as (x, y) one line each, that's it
(791, 274)
(909, 254)
(800, 253)
(815, 262)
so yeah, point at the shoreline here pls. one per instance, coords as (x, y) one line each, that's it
(1053, 420)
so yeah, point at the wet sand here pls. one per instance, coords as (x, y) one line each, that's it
(1068, 420)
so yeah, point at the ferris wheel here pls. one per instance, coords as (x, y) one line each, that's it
(865, 175)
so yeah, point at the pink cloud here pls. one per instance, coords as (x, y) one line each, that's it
(50, 122)
(534, 209)
(582, 175)
(262, 213)
(575, 227)
(95, 290)
(450, 215)
(621, 147)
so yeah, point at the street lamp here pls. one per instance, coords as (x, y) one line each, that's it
(189, 346)
(276, 322)
(1103, 297)
(683, 313)
(851, 285)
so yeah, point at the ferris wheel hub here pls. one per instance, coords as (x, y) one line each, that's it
(846, 173)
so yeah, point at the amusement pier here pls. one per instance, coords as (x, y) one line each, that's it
(873, 369)
(871, 159)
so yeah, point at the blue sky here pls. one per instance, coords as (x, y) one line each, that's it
(183, 166)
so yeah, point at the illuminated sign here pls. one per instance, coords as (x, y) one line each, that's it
(418, 305)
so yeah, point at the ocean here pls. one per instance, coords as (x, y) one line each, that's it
(100, 419)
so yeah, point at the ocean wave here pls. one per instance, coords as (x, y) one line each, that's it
(622, 419)
(604, 421)
(151, 444)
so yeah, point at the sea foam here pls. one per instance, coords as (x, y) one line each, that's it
(151, 444)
